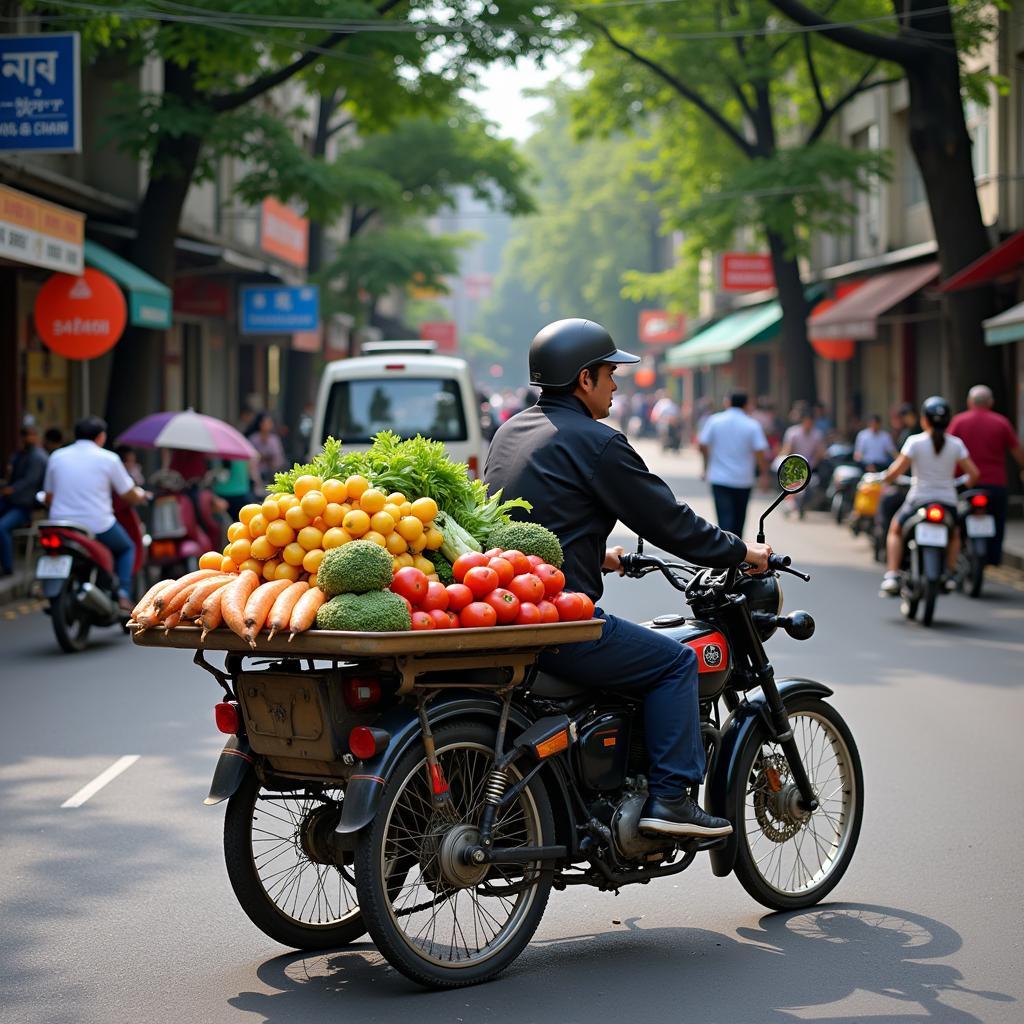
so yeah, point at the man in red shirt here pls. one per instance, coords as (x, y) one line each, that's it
(989, 437)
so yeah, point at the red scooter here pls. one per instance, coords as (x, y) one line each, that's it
(183, 525)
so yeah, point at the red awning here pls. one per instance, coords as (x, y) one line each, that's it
(856, 315)
(1003, 259)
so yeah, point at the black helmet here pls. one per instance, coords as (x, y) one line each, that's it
(562, 349)
(936, 411)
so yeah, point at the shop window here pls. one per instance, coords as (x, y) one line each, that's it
(977, 117)
(867, 223)
(910, 174)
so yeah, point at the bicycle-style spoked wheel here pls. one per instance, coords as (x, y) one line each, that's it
(283, 870)
(788, 858)
(439, 920)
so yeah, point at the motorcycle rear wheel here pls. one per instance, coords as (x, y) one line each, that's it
(442, 923)
(977, 576)
(70, 624)
(297, 901)
(787, 859)
(931, 592)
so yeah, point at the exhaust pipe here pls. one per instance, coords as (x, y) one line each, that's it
(97, 603)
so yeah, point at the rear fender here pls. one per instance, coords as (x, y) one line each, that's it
(932, 562)
(748, 723)
(366, 785)
(235, 762)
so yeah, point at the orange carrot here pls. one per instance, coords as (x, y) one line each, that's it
(165, 596)
(171, 621)
(200, 592)
(177, 603)
(149, 615)
(235, 596)
(304, 612)
(147, 598)
(281, 613)
(257, 608)
(211, 615)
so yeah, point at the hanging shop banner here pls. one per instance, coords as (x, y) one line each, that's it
(80, 317)
(444, 332)
(660, 327)
(39, 233)
(746, 272)
(200, 296)
(283, 233)
(280, 310)
(41, 93)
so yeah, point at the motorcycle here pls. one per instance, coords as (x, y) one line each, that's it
(842, 489)
(76, 576)
(182, 529)
(978, 527)
(441, 815)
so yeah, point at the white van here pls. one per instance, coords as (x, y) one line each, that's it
(405, 387)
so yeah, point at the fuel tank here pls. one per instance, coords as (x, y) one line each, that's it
(714, 659)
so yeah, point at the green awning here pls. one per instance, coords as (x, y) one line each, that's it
(149, 301)
(1006, 327)
(715, 345)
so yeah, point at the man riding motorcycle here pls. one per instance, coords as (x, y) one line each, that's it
(581, 477)
(934, 460)
(80, 480)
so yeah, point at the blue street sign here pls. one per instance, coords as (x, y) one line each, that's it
(280, 310)
(40, 93)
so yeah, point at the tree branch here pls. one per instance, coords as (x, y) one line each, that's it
(358, 220)
(813, 71)
(224, 102)
(730, 130)
(862, 86)
(896, 49)
(335, 128)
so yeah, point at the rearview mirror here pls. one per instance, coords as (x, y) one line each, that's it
(794, 474)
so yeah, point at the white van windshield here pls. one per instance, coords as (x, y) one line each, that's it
(357, 409)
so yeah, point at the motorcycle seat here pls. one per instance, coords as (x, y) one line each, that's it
(555, 688)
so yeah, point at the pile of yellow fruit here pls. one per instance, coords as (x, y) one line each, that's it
(285, 538)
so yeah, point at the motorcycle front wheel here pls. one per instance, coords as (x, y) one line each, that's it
(71, 625)
(788, 858)
(440, 921)
(280, 868)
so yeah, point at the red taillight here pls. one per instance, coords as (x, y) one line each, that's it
(935, 514)
(228, 719)
(50, 541)
(361, 693)
(394, 366)
(163, 549)
(979, 500)
(474, 466)
(365, 742)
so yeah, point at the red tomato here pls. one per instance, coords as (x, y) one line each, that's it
(481, 580)
(453, 619)
(529, 615)
(527, 587)
(478, 614)
(503, 567)
(459, 595)
(535, 560)
(441, 619)
(548, 612)
(422, 620)
(570, 607)
(407, 603)
(466, 562)
(519, 561)
(588, 607)
(410, 583)
(493, 552)
(435, 597)
(505, 605)
(552, 578)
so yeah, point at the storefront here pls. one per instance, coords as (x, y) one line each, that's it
(1008, 329)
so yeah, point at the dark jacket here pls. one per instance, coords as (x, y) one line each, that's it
(28, 468)
(581, 476)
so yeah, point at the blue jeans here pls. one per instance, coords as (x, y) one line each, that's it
(10, 519)
(631, 659)
(730, 507)
(123, 550)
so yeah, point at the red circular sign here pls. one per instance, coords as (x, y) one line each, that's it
(80, 317)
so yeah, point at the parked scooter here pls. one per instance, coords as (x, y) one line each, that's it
(178, 535)
(842, 489)
(977, 527)
(76, 575)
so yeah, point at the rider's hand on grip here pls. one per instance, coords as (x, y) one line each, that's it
(757, 557)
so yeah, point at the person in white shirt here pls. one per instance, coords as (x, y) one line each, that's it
(873, 447)
(934, 460)
(79, 484)
(734, 446)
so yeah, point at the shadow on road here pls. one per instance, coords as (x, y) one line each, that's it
(840, 964)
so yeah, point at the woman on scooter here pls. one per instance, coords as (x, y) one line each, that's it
(934, 460)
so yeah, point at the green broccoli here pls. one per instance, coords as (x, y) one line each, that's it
(530, 538)
(442, 566)
(355, 568)
(379, 611)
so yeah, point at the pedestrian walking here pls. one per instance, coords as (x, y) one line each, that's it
(733, 446)
(26, 470)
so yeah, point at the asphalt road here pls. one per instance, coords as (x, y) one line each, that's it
(119, 909)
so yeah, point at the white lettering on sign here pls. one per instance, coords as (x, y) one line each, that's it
(79, 326)
(287, 234)
(24, 66)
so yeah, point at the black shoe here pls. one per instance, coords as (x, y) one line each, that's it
(681, 817)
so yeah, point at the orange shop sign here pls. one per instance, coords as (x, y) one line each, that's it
(659, 327)
(283, 233)
(746, 272)
(80, 317)
(40, 234)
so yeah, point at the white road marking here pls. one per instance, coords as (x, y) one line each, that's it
(122, 764)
